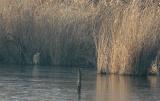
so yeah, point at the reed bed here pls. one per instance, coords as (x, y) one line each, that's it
(116, 36)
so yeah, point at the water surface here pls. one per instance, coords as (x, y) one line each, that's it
(38, 83)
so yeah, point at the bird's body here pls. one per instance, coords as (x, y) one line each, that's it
(36, 58)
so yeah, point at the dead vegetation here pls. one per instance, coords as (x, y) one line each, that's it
(116, 36)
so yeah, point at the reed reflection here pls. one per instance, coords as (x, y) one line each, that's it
(113, 88)
(126, 88)
(154, 81)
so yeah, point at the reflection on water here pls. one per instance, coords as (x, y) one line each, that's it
(113, 88)
(40, 83)
(35, 71)
(127, 88)
(79, 95)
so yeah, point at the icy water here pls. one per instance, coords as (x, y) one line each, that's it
(19, 83)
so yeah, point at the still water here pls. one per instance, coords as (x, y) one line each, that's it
(29, 83)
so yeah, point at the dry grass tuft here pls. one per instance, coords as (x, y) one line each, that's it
(134, 38)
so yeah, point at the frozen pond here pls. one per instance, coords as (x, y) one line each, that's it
(27, 83)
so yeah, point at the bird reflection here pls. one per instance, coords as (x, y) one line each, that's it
(79, 84)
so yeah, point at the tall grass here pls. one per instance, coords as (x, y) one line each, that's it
(59, 30)
(116, 36)
(135, 37)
